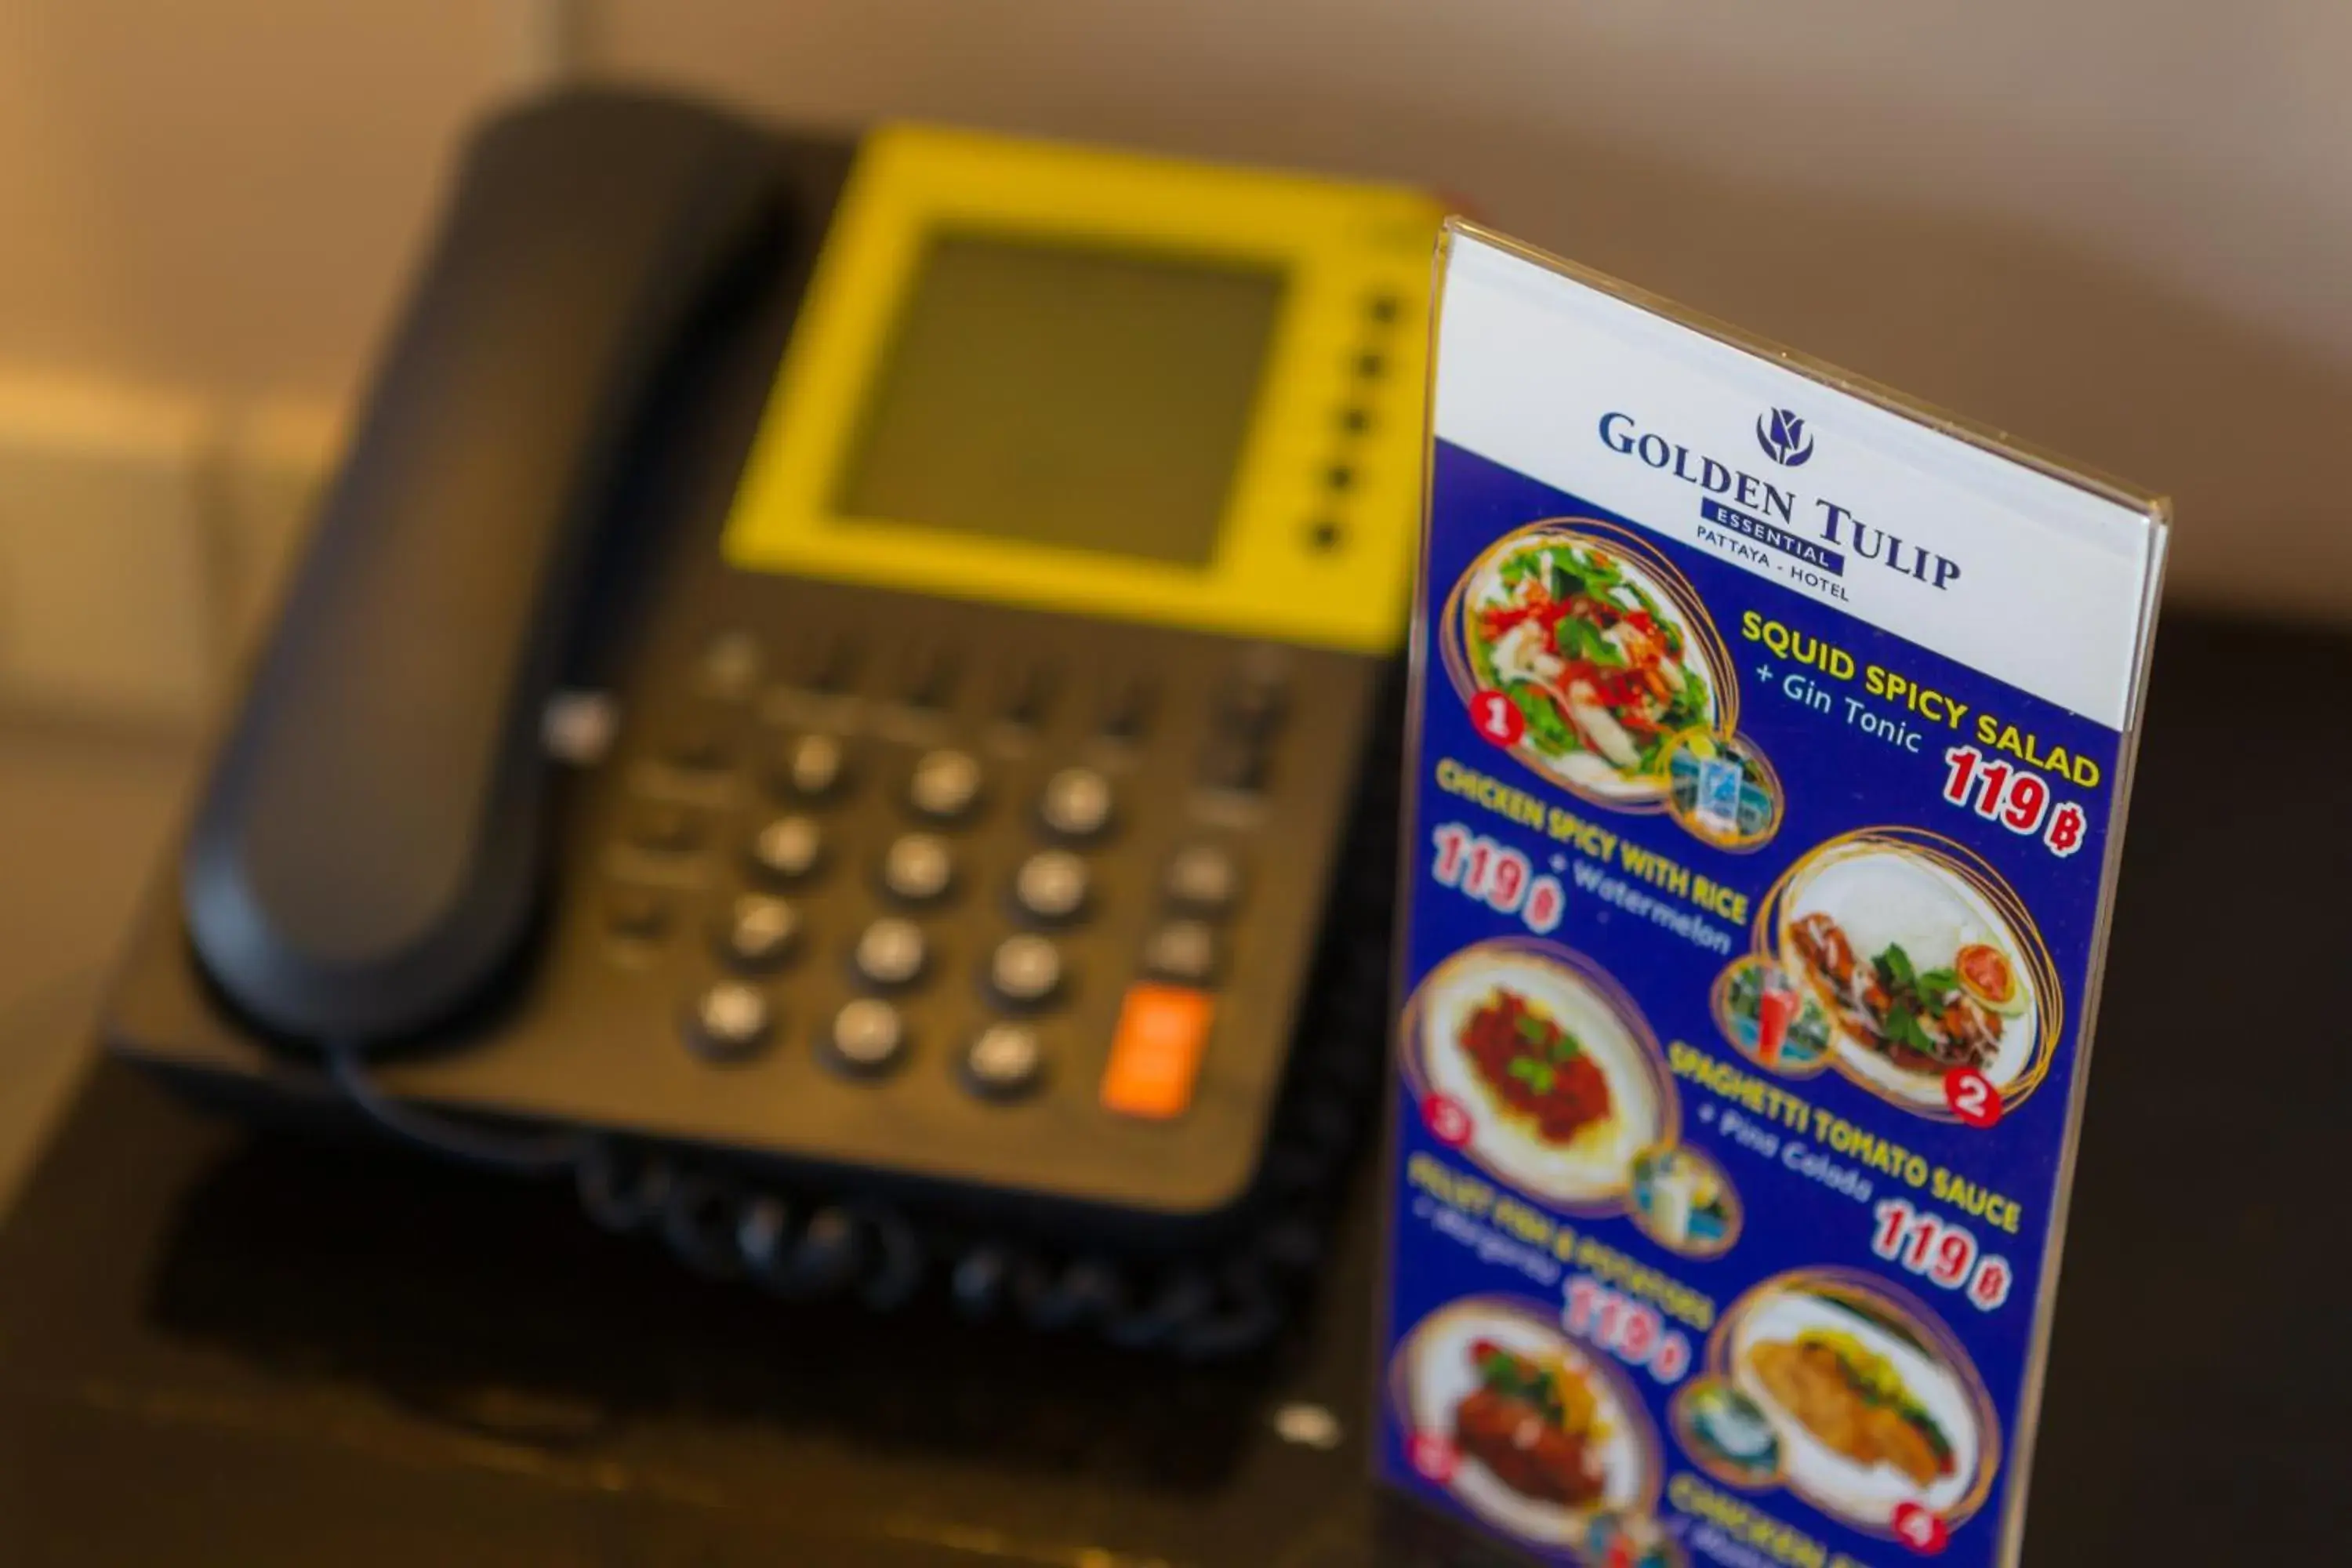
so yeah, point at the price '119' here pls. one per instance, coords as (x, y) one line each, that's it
(1498, 876)
(2018, 798)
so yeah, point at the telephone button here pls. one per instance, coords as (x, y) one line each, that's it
(1233, 761)
(1004, 1062)
(1155, 1053)
(945, 785)
(1204, 879)
(789, 848)
(918, 868)
(1127, 709)
(869, 1036)
(812, 767)
(728, 1021)
(730, 664)
(1026, 970)
(891, 953)
(1181, 951)
(698, 747)
(1077, 804)
(1254, 705)
(668, 829)
(760, 932)
(1051, 886)
(636, 914)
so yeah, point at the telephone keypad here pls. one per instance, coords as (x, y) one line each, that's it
(1092, 846)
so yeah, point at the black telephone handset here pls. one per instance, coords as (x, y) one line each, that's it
(369, 847)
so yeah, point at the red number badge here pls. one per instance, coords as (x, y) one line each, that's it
(1498, 718)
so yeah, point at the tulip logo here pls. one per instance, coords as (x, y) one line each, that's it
(1784, 438)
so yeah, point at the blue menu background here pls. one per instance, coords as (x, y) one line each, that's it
(1836, 779)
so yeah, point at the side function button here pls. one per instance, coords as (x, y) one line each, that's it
(1155, 1053)
(699, 745)
(728, 1021)
(827, 664)
(945, 786)
(918, 868)
(665, 828)
(1004, 1062)
(1253, 704)
(1025, 696)
(759, 932)
(1127, 709)
(1077, 804)
(812, 767)
(1233, 761)
(1204, 879)
(1024, 971)
(1181, 951)
(927, 679)
(869, 1036)
(891, 953)
(789, 848)
(636, 914)
(729, 664)
(1051, 886)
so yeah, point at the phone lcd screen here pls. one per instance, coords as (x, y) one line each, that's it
(1067, 394)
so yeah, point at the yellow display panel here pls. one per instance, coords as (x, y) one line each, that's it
(1311, 540)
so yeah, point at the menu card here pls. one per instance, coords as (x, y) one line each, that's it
(1772, 738)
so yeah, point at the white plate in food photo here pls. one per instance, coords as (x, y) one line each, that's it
(1605, 664)
(1873, 1410)
(1920, 971)
(1560, 1078)
(1544, 1433)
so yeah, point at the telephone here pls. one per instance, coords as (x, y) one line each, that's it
(834, 669)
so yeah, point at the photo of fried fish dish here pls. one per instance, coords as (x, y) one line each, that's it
(1853, 1403)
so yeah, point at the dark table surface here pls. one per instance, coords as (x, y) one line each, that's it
(215, 1348)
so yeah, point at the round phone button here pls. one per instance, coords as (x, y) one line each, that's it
(1077, 804)
(868, 1035)
(918, 868)
(1205, 878)
(1051, 885)
(1024, 970)
(945, 785)
(729, 1021)
(1184, 951)
(1005, 1062)
(761, 932)
(891, 951)
(813, 766)
(788, 849)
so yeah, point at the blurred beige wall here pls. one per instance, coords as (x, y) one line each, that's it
(2122, 229)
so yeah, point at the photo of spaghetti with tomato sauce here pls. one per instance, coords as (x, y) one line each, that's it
(1537, 1069)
